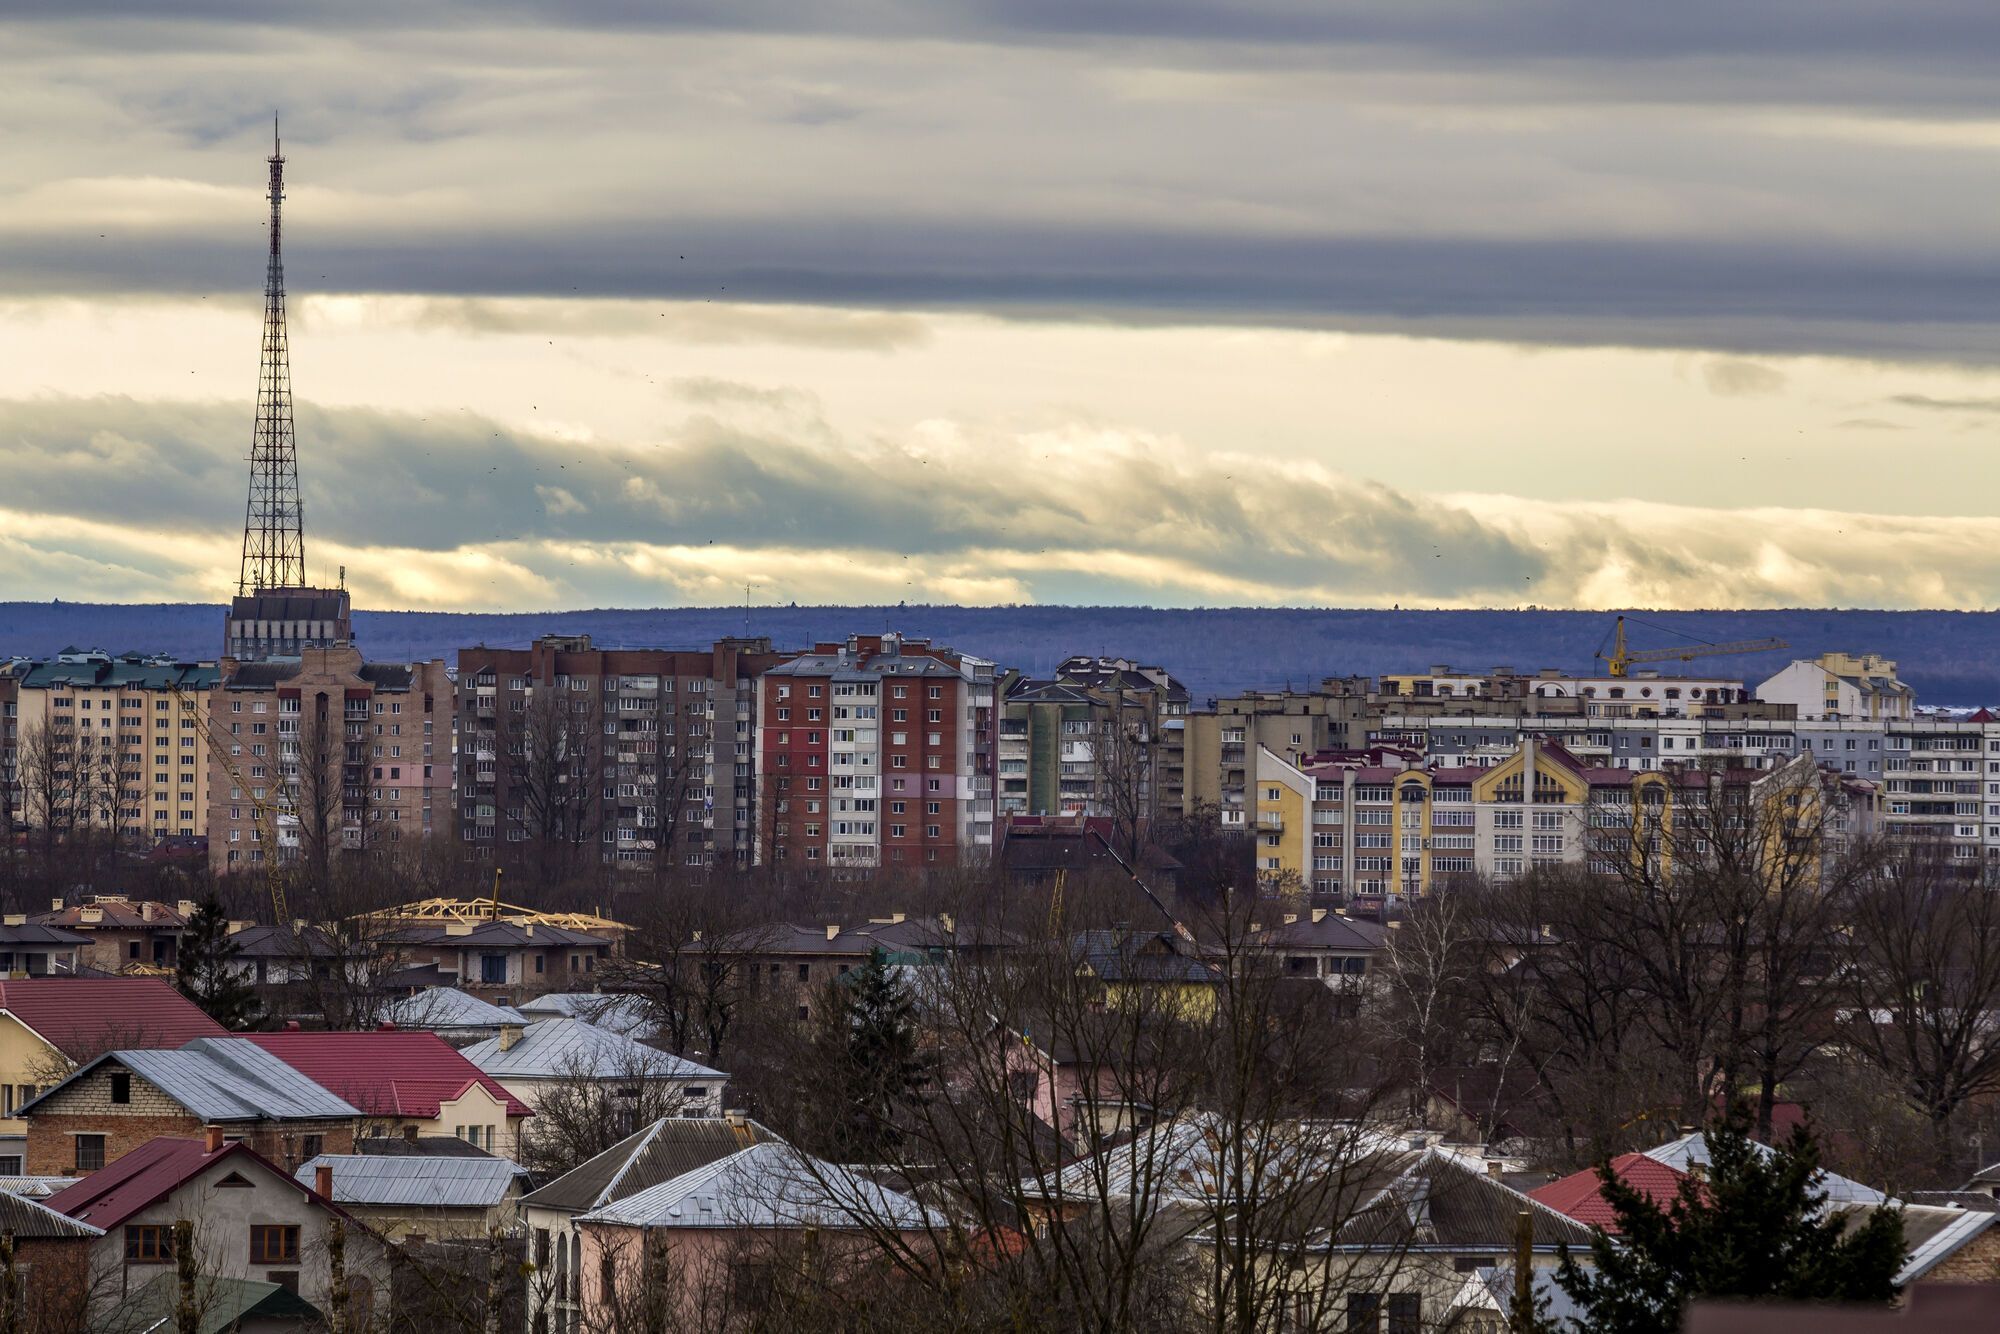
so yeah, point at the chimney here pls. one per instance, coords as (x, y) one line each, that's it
(1319, 915)
(528, 930)
(211, 1139)
(146, 911)
(832, 930)
(1290, 918)
(56, 904)
(323, 1180)
(1494, 1168)
(186, 907)
(386, 1026)
(291, 1025)
(509, 1035)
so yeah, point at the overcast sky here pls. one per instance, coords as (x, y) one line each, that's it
(632, 302)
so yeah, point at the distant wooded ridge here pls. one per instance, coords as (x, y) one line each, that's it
(1951, 657)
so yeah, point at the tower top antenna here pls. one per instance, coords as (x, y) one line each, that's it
(274, 544)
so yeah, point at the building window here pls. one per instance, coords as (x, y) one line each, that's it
(89, 1152)
(121, 1087)
(149, 1244)
(274, 1244)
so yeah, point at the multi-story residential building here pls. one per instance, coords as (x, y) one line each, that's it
(326, 749)
(114, 743)
(1103, 736)
(876, 752)
(1860, 686)
(1386, 821)
(1222, 743)
(1642, 694)
(10, 729)
(656, 748)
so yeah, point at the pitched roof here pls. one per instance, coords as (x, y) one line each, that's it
(1138, 956)
(81, 1016)
(448, 1007)
(389, 1072)
(1693, 1149)
(1332, 931)
(228, 1304)
(493, 935)
(262, 941)
(1934, 1233)
(418, 1183)
(112, 914)
(223, 1079)
(765, 1186)
(668, 1148)
(418, 1146)
(151, 1172)
(619, 1013)
(26, 1218)
(1441, 1200)
(1581, 1194)
(558, 1048)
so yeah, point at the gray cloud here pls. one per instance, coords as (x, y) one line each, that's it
(1733, 377)
(1932, 404)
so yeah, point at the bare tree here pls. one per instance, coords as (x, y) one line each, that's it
(1422, 994)
(691, 961)
(552, 756)
(1923, 982)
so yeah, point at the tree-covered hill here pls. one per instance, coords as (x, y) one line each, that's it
(1951, 657)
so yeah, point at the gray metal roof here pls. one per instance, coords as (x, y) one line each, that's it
(766, 1185)
(417, 1183)
(668, 1148)
(619, 1013)
(225, 1079)
(1691, 1151)
(575, 1048)
(36, 1188)
(448, 1007)
(25, 1218)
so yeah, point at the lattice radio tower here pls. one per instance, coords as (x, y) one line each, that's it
(274, 540)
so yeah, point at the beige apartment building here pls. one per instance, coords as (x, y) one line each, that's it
(115, 743)
(327, 748)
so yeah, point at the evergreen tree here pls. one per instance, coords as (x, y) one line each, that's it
(1755, 1226)
(204, 974)
(870, 1048)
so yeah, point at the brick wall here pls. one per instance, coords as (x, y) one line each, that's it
(52, 1137)
(1978, 1261)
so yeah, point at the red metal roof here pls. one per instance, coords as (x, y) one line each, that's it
(1581, 1194)
(151, 1172)
(83, 1016)
(389, 1072)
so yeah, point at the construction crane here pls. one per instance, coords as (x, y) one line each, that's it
(263, 813)
(1622, 658)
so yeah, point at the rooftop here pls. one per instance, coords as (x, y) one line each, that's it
(448, 1007)
(560, 1048)
(151, 1172)
(222, 1080)
(666, 1149)
(82, 1016)
(416, 1183)
(768, 1185)
(393, 1072)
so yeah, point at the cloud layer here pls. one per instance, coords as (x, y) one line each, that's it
(763, 492)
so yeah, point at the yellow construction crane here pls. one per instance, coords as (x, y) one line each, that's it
(1622, 658)
(262, 811)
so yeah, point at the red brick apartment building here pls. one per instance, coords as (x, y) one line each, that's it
(663, 742)
(876, 752)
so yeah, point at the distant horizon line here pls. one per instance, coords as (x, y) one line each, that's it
(738, 609)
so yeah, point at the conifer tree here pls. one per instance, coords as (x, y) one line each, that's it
(1754, 1225)
(204, 973)
(872, 1050)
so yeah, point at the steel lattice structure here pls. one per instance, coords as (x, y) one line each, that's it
(274, 540)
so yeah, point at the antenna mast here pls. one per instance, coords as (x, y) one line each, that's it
(274, 544)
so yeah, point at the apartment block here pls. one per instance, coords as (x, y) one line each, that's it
(662, 745)
(326, 747)
(876, 753)
(1383, 821)
(1101, 737)
(115, 743)
(1859, 686)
